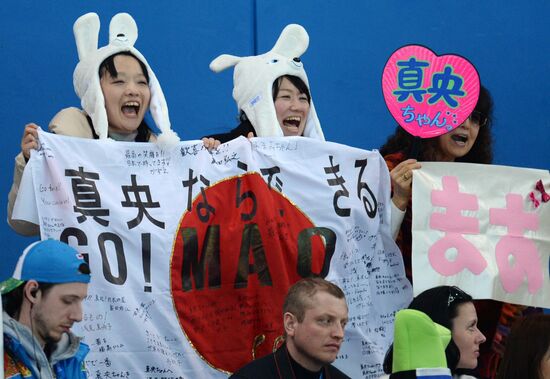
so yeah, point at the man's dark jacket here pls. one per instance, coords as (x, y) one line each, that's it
(278, 366)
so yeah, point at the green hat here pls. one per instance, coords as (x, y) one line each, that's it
(419, 345)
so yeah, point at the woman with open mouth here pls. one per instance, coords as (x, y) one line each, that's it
(116, 85)
(471, 142)
(291, 99)
(272, 91)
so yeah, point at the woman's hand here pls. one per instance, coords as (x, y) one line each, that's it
(29, 140)
(401, 179)
(211, 143)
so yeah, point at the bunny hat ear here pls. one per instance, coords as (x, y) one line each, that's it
(86, 31)
(123, 27)
(223, 62)
(254, 76)
(292, 42)
(123, 34)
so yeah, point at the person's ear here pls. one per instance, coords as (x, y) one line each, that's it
(290, 321)
(31, 291)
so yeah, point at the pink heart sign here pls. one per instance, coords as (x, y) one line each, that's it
(429, 95)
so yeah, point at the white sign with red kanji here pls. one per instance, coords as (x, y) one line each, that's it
(484, 228)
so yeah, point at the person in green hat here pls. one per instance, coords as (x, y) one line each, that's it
(450, 308)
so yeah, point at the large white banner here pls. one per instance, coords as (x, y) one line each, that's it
(484, 228)
(192, 251)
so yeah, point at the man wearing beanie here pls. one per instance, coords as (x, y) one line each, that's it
(41, 302)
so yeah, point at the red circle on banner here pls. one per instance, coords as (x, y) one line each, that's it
(235, 256)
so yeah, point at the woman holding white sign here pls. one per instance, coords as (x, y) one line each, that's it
(471, 142)
(272, 90)
(116, 86)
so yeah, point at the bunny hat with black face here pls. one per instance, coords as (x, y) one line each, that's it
(254, 76)
(123, 34)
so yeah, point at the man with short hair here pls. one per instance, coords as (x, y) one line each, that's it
(315, 314)
(41, 302)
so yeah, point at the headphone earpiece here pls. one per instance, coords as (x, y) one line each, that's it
(33, 292)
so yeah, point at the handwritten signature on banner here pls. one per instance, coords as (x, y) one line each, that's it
(513, 240)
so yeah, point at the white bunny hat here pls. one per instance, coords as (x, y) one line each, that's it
(254, 76)
(123, 34)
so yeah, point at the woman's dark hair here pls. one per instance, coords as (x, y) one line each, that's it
(441, 305)
(526, 346)
(481, 151)
(296, 81)
(108, 65)
(11, 302)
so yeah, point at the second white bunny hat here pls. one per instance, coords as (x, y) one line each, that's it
(123, 34)
(254, 76)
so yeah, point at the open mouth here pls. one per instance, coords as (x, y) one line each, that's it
(292, 121)
(460, 138)
(130, 108)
